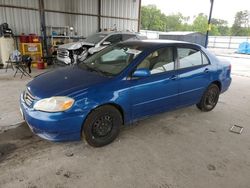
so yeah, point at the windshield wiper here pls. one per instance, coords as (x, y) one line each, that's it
(104, 73)
(86, 66)
(94, 69)
(101, 71)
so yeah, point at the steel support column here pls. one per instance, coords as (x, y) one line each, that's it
(43, 26)
(209, 22)
(99, 15)
(139, 17)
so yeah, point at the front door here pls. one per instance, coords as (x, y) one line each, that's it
(159, 91)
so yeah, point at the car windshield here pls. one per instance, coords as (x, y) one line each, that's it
(112, 60)
(95, 38)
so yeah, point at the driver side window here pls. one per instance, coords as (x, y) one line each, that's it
(161, 60)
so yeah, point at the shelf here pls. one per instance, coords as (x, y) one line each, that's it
(58, 36)
(71, 37)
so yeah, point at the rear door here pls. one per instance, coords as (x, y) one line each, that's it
(194, 74)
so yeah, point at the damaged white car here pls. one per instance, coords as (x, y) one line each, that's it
(71, 52)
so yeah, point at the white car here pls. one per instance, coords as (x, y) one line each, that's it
(71, 52)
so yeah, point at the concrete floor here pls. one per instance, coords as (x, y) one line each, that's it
(180, 149)
(11, 88)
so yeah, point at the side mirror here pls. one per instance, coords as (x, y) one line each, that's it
(141, 72)
(106, 43)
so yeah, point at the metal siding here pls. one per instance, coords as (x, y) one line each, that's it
(76, 6)
(84, 25)
(121, 25)
(21, 3)
(28, 21)
(120, 8)
(21, 20)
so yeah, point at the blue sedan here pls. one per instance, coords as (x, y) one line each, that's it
(120, 85)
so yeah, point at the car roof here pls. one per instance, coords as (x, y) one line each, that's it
(156, 43)
(117, 32)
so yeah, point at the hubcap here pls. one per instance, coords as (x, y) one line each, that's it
(102, 126)
(211, 98)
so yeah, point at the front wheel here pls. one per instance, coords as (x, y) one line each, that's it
(102, 126)
(209, 98)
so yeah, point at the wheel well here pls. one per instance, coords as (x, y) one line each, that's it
(118, 107)
(217, 83)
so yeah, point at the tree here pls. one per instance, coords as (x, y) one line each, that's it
(200, 25)
(174, 22)
(241, 24)
(221, 25)
(152, 18)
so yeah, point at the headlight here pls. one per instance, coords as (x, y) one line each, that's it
(54, 104)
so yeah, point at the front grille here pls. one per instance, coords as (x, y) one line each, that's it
(63, 53)
(28, 98)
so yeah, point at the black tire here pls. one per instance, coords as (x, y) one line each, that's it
(102, 126)
(209, 98)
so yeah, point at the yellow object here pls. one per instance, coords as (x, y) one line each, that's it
(67, 104)
(209, 27)
(34, 50)
(34, 65)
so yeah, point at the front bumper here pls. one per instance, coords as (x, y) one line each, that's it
(65, 60)
(59, 126)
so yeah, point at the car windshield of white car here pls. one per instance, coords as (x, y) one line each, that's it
(95, 38)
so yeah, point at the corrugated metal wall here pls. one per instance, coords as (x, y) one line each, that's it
(120, 24)
(124, 14)
(120, 8)
(21, 20)
(21, 3)
(83, 25)
(80, 14)
(75, 6)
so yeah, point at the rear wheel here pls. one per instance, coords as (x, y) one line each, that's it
(102, 126)
(209, 98)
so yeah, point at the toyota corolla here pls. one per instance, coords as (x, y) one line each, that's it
(120, 85)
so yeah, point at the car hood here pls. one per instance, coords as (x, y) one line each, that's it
(63, 82)
(75, 45)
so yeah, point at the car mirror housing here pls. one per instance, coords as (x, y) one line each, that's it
(106, 43)
(141, 72)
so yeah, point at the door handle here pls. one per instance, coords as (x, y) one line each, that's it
(173, 77)
(206, 70)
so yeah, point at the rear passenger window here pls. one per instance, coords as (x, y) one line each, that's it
(205, 60)
(189, 57)
(127, 36)
(114, 38)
